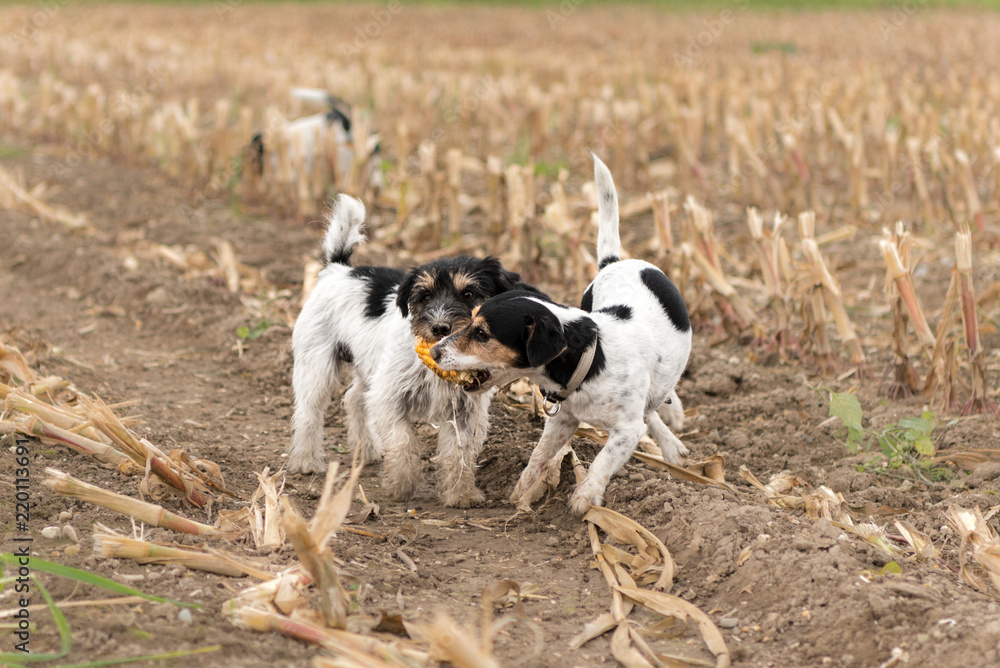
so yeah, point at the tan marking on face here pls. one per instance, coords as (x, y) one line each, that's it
(425, 282)
(492, 353)
(462, 281)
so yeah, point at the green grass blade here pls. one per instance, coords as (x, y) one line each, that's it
(65, 636)
(147, 657)
(43, 566)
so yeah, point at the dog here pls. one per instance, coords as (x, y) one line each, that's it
(308, 135)
(613, 364)
(366, 318)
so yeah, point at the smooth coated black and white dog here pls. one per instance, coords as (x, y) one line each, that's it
(308, 136)
(366, 318)
(613, 364)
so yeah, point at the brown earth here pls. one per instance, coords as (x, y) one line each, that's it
(805, 596)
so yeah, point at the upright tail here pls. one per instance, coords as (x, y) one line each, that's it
(317, 95)
(608, 243)
(343, 232)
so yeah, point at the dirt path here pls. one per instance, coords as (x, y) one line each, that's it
(787, 591)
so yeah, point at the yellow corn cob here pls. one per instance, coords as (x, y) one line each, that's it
(424, 353)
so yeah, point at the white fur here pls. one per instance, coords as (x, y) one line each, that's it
(343, 231)
(644, 359)
(308, 136)
(391, 388)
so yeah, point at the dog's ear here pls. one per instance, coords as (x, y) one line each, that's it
(503, 280)
(404, 292)
(508, 280)
(544, 339)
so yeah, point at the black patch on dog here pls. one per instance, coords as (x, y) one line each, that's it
(587, 303)
(579, 335)
(381, 282)
(335, 115)
(668, 296)
(605, 261)
(257, 152)
(620, 311)
(343, 354)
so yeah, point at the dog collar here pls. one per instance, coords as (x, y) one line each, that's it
(582, 369)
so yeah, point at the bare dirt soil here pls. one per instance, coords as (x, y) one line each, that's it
(809, 593)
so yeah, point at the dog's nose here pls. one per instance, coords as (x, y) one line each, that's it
(440, 329)
(436, 353)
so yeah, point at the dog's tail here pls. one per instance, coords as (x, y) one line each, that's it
(343, 232)
(608, 243)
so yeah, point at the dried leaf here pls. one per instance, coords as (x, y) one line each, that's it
(672, 606)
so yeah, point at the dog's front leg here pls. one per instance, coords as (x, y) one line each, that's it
(558, 429)
(460, 441)
(622, 441)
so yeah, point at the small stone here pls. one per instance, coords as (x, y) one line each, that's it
(552, 541)
(158, 295)
(574, 553)
(667, 508)
(184, 616)
(153, 575)
(69, 533)
(72, 550)
(65, 516)
(728, 623)
(923, 637)
(636, 477)
(51, 532)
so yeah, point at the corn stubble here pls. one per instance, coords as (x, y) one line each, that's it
(866, 146)
(841, 142)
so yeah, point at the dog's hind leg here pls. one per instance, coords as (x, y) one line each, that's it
(460, 441)
(622, 441)
(672, 411)
(314, 378)
(670, 446)
(558, 429)
(358, 439)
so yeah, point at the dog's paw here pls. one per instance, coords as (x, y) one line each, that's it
(398, 491)
(369, 454)
(586, 496)
(306, 463)
(463, 499)
(674, 451)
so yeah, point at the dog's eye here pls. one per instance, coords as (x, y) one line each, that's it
(467, 294)
(481, 334)
(426, 298)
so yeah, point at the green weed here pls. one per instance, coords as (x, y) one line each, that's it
(898, 448)
(248, 334)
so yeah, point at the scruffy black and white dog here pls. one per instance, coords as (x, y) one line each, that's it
(366, 318)
(612, 365)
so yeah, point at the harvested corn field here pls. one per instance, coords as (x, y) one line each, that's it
(822, 187)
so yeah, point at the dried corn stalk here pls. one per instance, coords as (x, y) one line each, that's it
(980, 401)
(979, 539)
(769, 245)
(906, 380)
(151, 514)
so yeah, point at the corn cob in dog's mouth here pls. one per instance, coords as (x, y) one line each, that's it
(469, 380)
